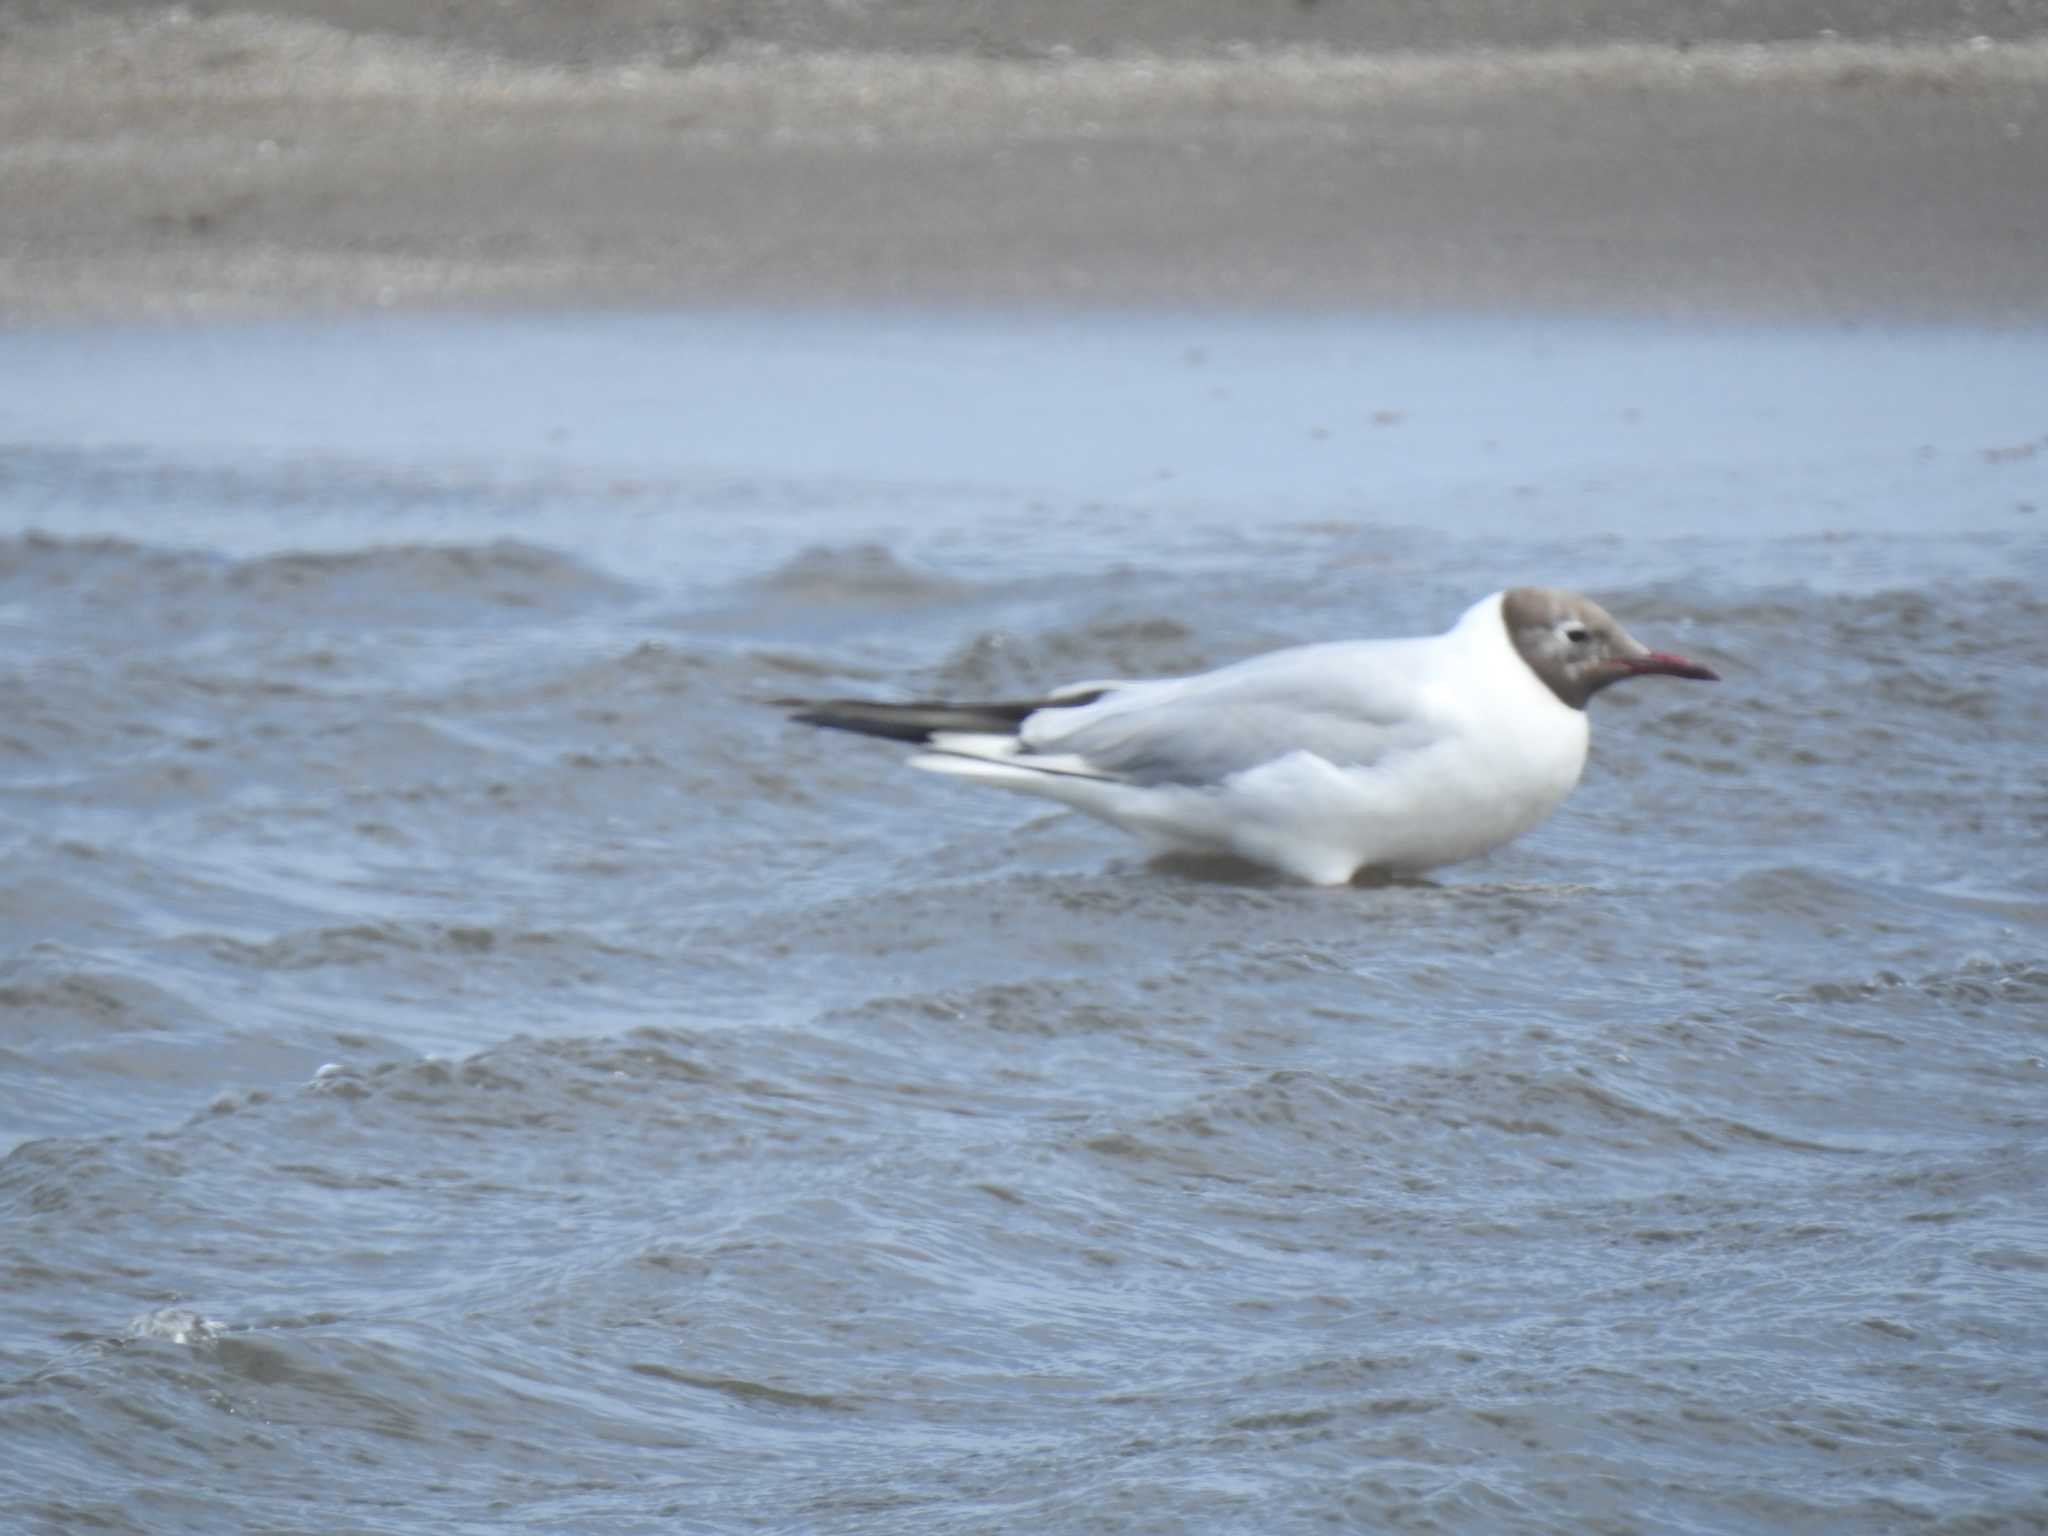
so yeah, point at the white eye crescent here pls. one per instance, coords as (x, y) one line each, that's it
(1575, 632)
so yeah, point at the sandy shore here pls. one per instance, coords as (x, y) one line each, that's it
(159, 166)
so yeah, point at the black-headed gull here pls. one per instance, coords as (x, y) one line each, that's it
(1319, 760)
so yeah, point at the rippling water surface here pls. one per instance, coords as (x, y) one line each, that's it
(467, 1065)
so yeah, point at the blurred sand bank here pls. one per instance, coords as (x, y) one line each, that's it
(159, 165)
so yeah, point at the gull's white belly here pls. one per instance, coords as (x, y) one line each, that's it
(1459, 798)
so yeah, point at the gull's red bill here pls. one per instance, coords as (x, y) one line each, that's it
(1663, 663)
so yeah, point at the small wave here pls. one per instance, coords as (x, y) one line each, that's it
(754, 1394)
(359, 943)
(504, 572)
(60, 576)
(997, 661)
(1978, 982)
(1913, 689)
(1046, 1009)
(858, 573)
(1792, 890)
(50, 993)
(1998, 618)
(176, 591)
(610, 691)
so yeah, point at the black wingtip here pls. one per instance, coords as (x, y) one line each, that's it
(919, 721)
(891, 722)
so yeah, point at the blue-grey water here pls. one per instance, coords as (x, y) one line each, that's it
(468, 1065)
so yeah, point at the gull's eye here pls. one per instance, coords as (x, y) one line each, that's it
(1577, 634)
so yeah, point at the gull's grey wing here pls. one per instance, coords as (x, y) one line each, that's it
(1352, 703)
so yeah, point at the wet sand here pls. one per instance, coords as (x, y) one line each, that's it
(166, 166)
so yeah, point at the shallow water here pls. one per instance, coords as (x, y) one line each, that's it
(469, 1065)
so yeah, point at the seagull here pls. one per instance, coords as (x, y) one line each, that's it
(1319, 761)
